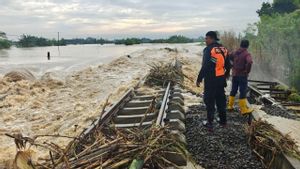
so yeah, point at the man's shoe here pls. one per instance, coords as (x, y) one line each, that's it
(218, 119)
(230, 103)
(223, 125)
(208, 125)
(244, 107)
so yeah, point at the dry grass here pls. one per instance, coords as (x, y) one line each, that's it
(230, 40)
(162, 73)
(112, 148)
(263, 137)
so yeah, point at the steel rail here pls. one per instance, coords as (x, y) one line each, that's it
(164, 105)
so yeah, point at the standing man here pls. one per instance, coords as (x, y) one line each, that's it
(242, 62)
(215, 69)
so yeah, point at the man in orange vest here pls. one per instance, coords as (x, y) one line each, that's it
(215, 69)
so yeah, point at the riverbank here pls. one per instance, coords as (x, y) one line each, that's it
(65, 106)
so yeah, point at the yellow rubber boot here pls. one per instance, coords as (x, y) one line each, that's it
(230, 103)
(244, 107)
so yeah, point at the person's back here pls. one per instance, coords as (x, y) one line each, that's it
(215, 67)
(214, 60)
(242, 63)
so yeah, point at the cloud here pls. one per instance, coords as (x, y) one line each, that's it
(120, 18)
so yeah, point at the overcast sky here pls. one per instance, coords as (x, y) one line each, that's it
(122, 18)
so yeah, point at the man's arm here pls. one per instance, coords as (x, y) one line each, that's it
(206, 64)
(228, 66)
(248, 63)
(231, 56)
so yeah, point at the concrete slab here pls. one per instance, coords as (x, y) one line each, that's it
(176, 114)
(126, 119)
(138, 103)
(133, 110)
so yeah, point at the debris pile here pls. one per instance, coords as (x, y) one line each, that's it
(161, 73)
(265, 139)
(112, 148)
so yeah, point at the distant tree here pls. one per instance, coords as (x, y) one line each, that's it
(88, 40)
(128, 41)
(102, 41)
(266, 9)
(145, 40)
(200, 39)
(159, 41)
(279, 6)
(179, 39)
(4, 43)
(284, 6)
(2, 35)
(32, 41)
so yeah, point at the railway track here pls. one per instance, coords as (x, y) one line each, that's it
(270, 95)
(138, 108)
(131, 110)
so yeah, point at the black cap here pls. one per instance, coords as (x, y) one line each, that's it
(212, 34)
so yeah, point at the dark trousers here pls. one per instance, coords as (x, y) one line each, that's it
(214, 95)
(239, 83)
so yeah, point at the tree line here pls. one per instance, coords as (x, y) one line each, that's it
(34, 41)
(275, 40)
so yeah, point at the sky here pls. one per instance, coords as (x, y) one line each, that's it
(124, 18)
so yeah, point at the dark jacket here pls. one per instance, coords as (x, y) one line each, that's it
(242, 62)
(207, 71)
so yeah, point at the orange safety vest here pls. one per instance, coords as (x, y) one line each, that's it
(219, 59)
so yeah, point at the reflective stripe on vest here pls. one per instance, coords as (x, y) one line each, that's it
(219, 59)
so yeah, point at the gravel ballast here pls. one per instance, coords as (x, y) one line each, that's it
(224, 148)
(278, 111)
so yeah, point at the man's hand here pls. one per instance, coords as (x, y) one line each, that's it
(198, 84)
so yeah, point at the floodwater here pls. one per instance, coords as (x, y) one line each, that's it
(68, 104)
(66, 58)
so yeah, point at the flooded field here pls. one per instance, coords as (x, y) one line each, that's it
(67, 58)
